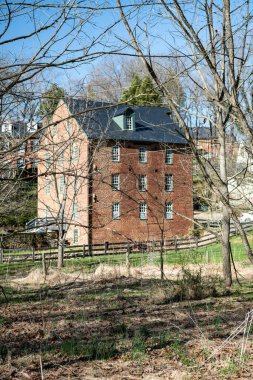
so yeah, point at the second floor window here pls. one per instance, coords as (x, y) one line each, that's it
(47, 185)
(115, 182)
(47, 161)
(168, 182)
(142, 183)
(75, 211)
(143, 211)
(116, 211)
(61, 159)
(168, 156)
(116, 153)
(61, 184)
(142, 154)
(75, 153)
(168, 210)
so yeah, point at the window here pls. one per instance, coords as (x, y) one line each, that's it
(34, 164)
(168, 156)
(142, 154)
(47, 161)
(61, 159)
(168, 182)
(75, 211)
(168, 210)
(61, 184)
(34, 145)
(115, 182)
(115, 211)
(129, 122)
(76, 185)
(47, 185)
(21, 148)
(69, 127)
(142, 183)
(143, 211)
(75, 153)
(47, 212)
(20, 163)
(54, 130)
(115, 153)
(75, 239)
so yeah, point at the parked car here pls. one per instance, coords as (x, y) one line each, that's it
(246, 217)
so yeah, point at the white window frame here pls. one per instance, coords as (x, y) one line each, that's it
(61, 159)
(75, 212)
(35, 145)
(168, 210)
(116, 153)
(129, 123)
(143, 183)
(143, 211)
(75, 235)
(47, 161)
(75, 153)
(143, 154)
(115, 182)
(168, 156)
(116, 211)
(61, 184)
(54, 130)
(48, 183)
(168, 183)
(47, 212)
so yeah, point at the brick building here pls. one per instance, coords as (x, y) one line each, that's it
(115, 173)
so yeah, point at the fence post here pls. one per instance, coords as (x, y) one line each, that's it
(161, 260)
(1, 255)
(128, 259)
(197, 242)
(84, 250)
(175, 244)
(44, 267)
(106, 247)
(33, 253)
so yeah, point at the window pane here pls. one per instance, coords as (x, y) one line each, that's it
(75, 235)
(115, 182)
(168, 210)
(168, 182)
(75, 211)
(61, 184)
(129, 124)
(115, 211)
(143, 211)
(142, 183)
(47, 186)
(115, 153)
(168, 156)
(142, 154)
(75, 153)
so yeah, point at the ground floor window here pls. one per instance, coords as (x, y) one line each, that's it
(168, 210)
(75, 235)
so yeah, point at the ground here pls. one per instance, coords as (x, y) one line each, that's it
(120, 327)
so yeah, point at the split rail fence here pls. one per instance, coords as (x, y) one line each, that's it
(107, 248)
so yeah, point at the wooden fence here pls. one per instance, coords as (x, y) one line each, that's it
(176, 244)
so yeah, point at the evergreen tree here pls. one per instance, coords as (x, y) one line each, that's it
(50, 100)
(141, 92)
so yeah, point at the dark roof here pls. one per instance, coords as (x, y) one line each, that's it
(153, 124)
(203, 133)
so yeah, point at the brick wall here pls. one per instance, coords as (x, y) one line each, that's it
(129, 226)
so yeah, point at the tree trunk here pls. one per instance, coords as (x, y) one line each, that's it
(227, 273)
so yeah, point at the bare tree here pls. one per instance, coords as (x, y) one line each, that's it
(217, 46)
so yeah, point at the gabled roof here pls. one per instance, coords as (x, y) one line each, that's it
(152, 124)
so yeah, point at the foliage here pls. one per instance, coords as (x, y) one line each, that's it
(50, 100)
(141, 92)
(21, 204)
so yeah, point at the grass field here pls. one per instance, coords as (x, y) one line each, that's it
(204, 255)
